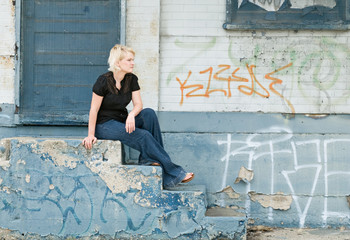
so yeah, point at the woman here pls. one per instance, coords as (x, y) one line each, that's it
(139, 129)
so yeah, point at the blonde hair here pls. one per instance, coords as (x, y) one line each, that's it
(117, 53)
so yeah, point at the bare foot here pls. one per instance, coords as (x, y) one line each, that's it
(188, 177)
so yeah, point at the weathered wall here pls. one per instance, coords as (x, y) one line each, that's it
(219, 110)
(7, 62)
(142, 34)
(207, 68)
(7, 47)
(298, 169)
(58, 188)
(258, 99)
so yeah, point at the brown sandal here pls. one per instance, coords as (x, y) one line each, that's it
(188, 179)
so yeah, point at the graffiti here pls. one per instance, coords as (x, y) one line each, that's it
(304, 77)
(109, 197)
(44, 191)
(255, 87)
(284, 147)
(63, 198)
(201, 49)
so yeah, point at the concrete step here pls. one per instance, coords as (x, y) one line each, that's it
(57, 187)
(226, 223)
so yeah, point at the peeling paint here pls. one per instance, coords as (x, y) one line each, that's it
(57, 149)
(99, 196)
(245, 175)
(7, 61)
(4, 153)
(230, 192)
(316, 116)
(118, 179)
(4, 164)
(275, 201)
(6, 189)
(27, 178)
(21, 162)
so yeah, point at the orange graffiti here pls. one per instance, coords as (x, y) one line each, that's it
(252, 88)
(247, 90)
(279, 81)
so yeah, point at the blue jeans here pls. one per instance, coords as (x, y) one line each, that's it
(147, 139)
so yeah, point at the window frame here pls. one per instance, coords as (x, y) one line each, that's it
(257, 18)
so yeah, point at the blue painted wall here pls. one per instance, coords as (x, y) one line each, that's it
(302, 157)
(57, 187)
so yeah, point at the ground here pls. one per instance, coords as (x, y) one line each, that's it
(266, 233)
(254, 233)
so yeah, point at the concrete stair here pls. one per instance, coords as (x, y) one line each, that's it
(55, 187)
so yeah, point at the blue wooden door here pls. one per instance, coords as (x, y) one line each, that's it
(64, 47)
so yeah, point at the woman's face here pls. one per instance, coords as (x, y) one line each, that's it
(127, 64)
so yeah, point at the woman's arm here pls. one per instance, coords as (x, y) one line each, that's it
(95, 106)
(137, 102)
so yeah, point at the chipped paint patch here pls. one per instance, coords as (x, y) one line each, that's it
(5, 153)
(6, 190)
(245, 175)
(230, 192)
(276, 201)
(119, 179)
(7, 61)
(27, 178)
(21, 162)
(63, 153)
(348, 200)
(4, 164)
(56, 149)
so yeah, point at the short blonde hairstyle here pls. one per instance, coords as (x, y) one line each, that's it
(117, 53)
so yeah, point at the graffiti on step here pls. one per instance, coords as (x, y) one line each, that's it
(69, 199)
(280, 155)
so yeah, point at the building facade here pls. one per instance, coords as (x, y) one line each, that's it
(253, 96)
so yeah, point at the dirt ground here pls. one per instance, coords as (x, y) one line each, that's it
(264, 233)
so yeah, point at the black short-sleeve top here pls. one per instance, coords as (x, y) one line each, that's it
(115, 100)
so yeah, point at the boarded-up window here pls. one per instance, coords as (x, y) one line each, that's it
(287, 14)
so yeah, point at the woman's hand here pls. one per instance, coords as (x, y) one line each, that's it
(130, 123)
(89, 141)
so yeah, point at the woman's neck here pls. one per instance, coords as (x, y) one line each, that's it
(118, 76)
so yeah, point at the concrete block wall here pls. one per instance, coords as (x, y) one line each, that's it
(142, 34)
(7, 52)
(207, 68)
